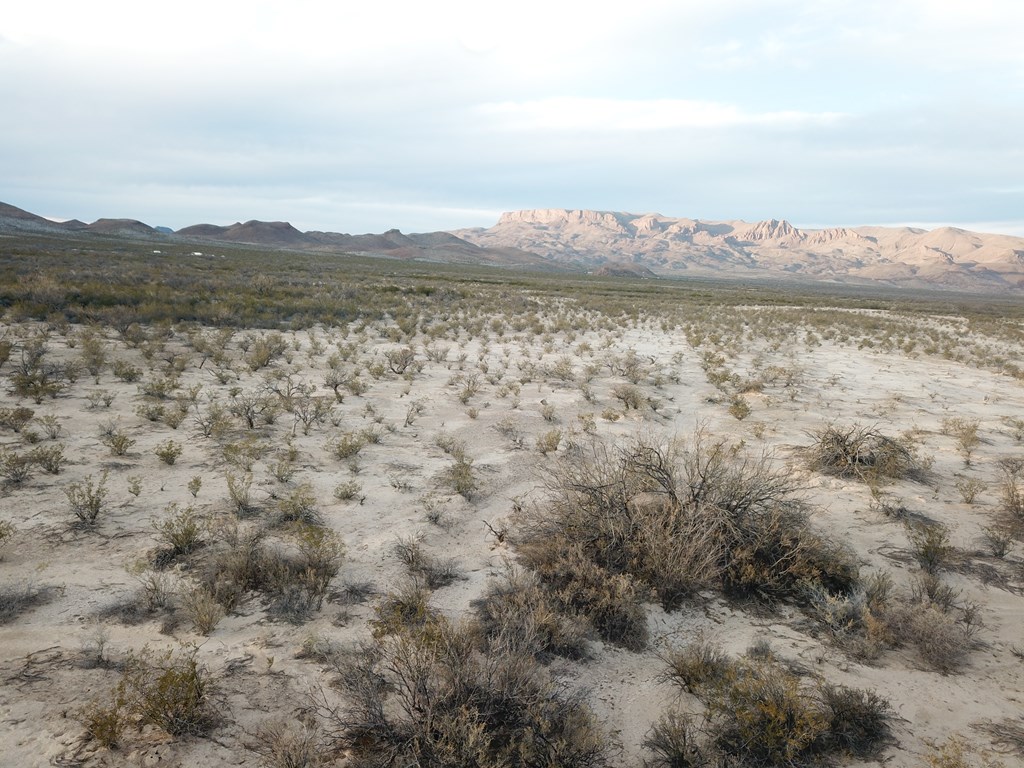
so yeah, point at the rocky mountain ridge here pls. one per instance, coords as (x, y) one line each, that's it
(431, 246)
(945, 257)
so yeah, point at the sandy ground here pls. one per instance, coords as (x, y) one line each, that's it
(45, 679)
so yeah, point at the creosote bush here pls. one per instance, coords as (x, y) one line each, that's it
(87, 498)
(168, 451)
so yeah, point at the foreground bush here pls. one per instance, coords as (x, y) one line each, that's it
(673, 520)
(170, 690)
(758, 712)
(429, 694)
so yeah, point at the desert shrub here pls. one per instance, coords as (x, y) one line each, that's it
(930, 543)
(236, 565)
(347, 445)
(432, 571)
(87, 498)
(15, 468)
(402, 610)
(428, 695)
(17, 418)
(51, 425)
(548, 442)
(168, 451)
(680, 519)
(105, 723)
(126, 372)
(297, 582)
(860, 452)
(180, 532)
(400, 359)
(675, 741)
(299, 505)
(240, 493)
(941, 642)
(765, 717)
(969, 488)
(629, 395)
(118, 442)
(291, 744)
(170, 690)
(151, 411)
(858, 720)
(202, 609)
(462, 478)
(347, 491)
(610, 601)
(998, 539)
(699, 666)
(50, 457)
(7, 531)
(18, 597)
(954, 753)
(1011, 493)
(516, 608)
(739, 408)
(758, 712)
(965, 432)
(213, 421)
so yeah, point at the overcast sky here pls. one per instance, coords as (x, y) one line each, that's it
(359, 117)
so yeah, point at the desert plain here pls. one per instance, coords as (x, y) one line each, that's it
(303, 510)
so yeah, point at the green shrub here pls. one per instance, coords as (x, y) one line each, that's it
(180, 531)
(87, 499)
(930, 542)
(170, 690)
(462, 478)
(299, 505)
(15, 468)
(51, 458)
(347, 445)
(168, 451)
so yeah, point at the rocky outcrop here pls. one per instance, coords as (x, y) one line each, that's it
(945, 257)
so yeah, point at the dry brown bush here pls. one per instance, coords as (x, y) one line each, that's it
(863, 453)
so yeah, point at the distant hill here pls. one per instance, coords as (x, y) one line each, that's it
(431, 246)
(621, 244)
(603, 240)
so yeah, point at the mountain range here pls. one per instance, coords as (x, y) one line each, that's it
(626, 244)
(946, 257)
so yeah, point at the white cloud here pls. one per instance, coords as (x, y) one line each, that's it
(635, 115)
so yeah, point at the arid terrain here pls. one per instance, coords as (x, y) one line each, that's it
(283, 510)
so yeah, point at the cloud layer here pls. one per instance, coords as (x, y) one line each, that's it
(428, 116)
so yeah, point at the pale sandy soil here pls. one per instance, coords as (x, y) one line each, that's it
(45, 682)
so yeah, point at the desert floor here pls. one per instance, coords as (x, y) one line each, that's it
(79, 599)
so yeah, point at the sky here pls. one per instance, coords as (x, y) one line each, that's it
(361, 117)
